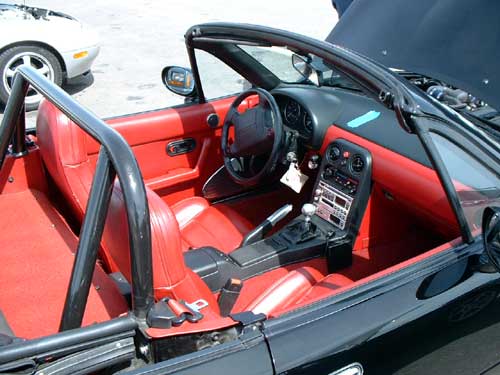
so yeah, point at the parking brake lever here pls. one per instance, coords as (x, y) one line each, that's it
(262, 229)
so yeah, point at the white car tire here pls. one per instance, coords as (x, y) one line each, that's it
(40, 59)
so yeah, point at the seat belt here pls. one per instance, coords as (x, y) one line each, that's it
(228, 296)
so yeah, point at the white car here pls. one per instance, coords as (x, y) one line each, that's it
(56, 44)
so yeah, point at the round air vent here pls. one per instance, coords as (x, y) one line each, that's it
(357, 164)
(334, 153)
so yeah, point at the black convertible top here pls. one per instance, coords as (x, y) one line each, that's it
(457, 41)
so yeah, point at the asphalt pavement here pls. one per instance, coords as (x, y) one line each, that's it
(139, 38)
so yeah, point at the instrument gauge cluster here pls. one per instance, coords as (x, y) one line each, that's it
(308, 124)
(296, 117)
(292, 112)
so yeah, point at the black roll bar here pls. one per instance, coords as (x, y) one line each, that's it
(88, 243)
(115, 158)
(68, 342)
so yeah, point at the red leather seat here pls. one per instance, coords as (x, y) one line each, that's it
(204, 225)
(295, 289)
(171, 277)
(63, 148)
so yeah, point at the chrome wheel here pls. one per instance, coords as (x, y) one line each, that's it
(36, 61)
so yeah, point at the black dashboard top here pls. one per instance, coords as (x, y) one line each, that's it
(312, 110)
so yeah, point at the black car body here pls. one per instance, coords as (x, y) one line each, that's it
(364, 134)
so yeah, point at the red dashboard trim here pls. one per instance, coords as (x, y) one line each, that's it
(411, 184)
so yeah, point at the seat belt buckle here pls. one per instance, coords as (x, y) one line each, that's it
(168, 312)
(185, 311)
(197, 305)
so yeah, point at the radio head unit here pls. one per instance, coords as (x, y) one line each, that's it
(333, 205)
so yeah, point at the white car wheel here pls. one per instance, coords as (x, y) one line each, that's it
(38, 58)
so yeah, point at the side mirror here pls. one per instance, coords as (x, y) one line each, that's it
(305, 69)
(491, 235)
(178, 80)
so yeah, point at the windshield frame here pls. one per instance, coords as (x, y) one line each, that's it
(221, 40)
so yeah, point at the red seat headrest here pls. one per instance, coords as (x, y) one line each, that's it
(63, 149)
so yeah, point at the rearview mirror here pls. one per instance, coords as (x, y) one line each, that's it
(305, 69)
(491, 235)
(178, 80)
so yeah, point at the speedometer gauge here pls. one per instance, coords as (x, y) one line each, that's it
(292, 112)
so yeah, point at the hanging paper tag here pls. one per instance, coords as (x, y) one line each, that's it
(294, 178)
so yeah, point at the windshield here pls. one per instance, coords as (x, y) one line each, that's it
(278, 60)
(477, 186)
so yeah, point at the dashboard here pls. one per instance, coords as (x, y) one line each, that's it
(311, 111)
(400, 165)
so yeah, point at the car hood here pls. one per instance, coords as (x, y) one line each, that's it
(62, 32)
(23, 12)
(456, 41)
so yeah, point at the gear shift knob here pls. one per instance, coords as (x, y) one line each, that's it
(303, 229)
(308, 210)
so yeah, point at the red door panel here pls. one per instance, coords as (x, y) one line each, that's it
(180, 176)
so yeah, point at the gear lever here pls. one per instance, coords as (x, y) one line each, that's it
(308, 210)
(303, 230)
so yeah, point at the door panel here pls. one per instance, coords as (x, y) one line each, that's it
(335, 328)
(174, 177)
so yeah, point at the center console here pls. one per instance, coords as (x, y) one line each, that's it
(327, 227)
(343, 186)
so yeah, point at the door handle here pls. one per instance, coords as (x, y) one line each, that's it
(182, 146)
(172, 178)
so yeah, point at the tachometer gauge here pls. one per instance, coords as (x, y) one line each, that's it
(308, 124)
(292, 112)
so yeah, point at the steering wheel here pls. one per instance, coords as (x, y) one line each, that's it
(258, 134)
